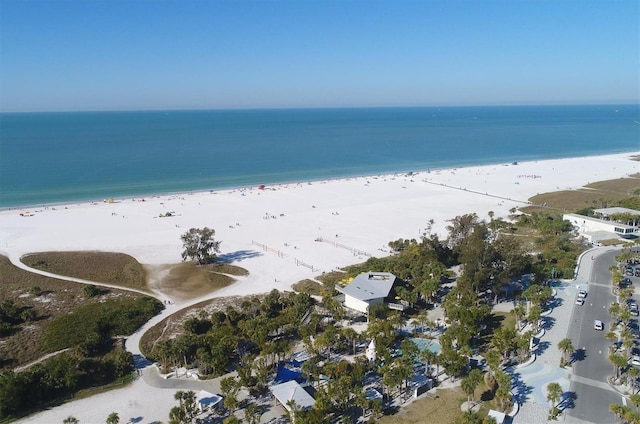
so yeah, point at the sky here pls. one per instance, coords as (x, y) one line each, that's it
(65, 55)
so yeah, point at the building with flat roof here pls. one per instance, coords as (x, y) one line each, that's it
(595, 229)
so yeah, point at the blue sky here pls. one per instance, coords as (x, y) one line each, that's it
(195, 54)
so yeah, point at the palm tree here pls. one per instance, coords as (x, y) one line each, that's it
(429, 357)
(566, 346)
(470, 383)
(618, 410)
(635, 400)
(634, 373)
(468, 386)
(519, 312)
(113, 418)
(618, 362)
(554, 393)
(70, 420)
(293, 408)
(252, 414)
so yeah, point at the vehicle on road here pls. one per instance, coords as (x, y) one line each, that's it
(598, 325)
(580, 301)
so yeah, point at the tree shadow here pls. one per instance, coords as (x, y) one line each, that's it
(520, 389)
(547, 323)
(578, 355)
(541, 347)
(568, 401)
(239, 255)
(140, 361)
(555, 302)
(487, 395)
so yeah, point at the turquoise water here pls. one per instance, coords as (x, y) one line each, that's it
(425, 344)
(64, 157)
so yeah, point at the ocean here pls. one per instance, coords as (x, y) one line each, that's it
(85, 156)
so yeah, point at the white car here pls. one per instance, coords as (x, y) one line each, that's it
(580, 301)
(598, 325)
(635, 360)
(582, 294)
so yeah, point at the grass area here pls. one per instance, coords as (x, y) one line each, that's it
(102, 267)
(331, 277)
(308, 286)
(50, 299)
(187, 281)
(444, 409)
(229, 269)
(596, 194)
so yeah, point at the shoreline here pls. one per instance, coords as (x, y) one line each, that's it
(271, 185)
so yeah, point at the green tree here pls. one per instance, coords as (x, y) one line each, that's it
(186, 411)
(113, 418)
(70, 420)
(200, 245)
(554, 393)
(618, 361)
(252, 414)
(229, 387)
(566, 346)
(90, 290)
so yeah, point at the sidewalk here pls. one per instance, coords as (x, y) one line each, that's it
(530, 382)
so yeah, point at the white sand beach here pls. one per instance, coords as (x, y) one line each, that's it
(280, 232)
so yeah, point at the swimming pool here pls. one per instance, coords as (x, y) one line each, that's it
(424, 344)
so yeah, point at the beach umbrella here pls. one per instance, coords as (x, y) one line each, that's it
(261, 187)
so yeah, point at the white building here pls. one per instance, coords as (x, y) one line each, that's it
(367, 289)
(291, 393)
(595, 229)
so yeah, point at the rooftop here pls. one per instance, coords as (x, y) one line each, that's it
(616, 210)
(370, 285)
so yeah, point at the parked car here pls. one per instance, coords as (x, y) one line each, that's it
(637, 272)
(598, 325)
(635, 360)
(582, 294)
(634, 312)
(580, 301)
(633, 306)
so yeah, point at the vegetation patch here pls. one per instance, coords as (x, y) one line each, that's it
(46, 299)
(102, 267)
(308, 286)
(173, 325)
(187, 281)
(91, 326)
(229, 269)
(620, 192)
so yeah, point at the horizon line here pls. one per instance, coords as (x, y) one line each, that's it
(319, 107)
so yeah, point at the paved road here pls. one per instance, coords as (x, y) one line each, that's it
(592, 394)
